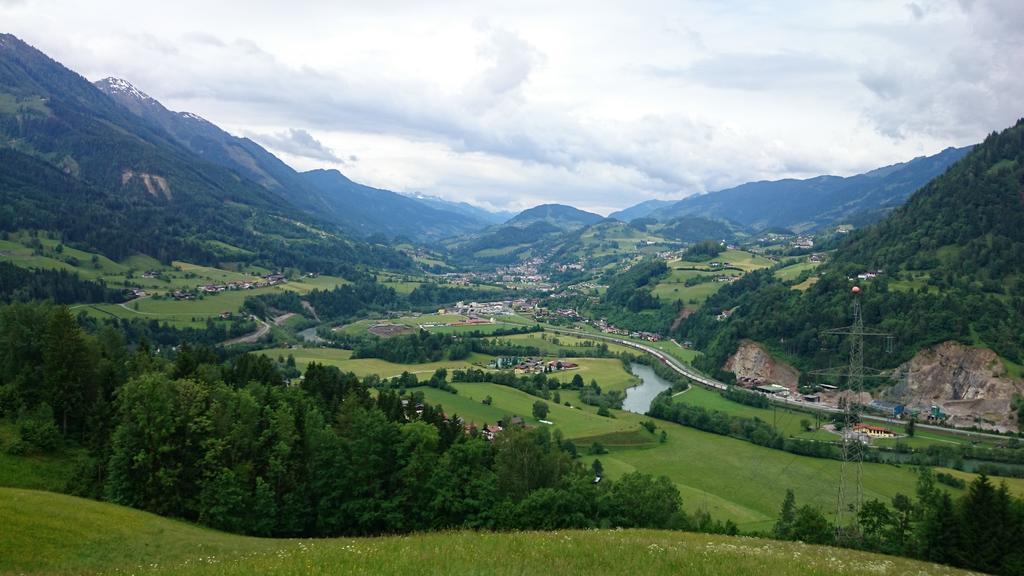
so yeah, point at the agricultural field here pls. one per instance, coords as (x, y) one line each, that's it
(736, 263)
(366, 366)
(732, 479)
(436, 323)
(745, 261)
(608, 372)
(803, 286)
(46, 253)
(685, 355)
(55, 534)
(573, 422)
(180, 313)
(184, 313)
(551, 343)
(792, 272)
(613, 238)
(786, 420)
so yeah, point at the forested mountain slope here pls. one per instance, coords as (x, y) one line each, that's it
(950, 266)
(368, 210)
(328, 194)
(78, 163)
(816, 202)
(560, 215)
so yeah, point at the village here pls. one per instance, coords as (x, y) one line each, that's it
(266, 281)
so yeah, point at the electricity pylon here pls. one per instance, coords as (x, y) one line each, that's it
(850, 494)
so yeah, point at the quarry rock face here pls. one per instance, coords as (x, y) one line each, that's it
(752, 361)
(967, 383)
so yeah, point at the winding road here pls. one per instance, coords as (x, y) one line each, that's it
(250, 337)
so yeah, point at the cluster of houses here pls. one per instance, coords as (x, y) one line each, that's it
(806, 242)
(183, 295)
(584, 287)
(567, 267)
(539, 366)
(607, 328)
(268, 280)
(569, 314)
(526, 273)
(478, 309)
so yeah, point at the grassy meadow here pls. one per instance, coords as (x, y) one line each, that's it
(36, 471)
(47, 533)
(737, 263)
(793, 271)
(21, 249)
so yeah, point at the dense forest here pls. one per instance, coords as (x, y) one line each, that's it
(23, 285)
(232, 445)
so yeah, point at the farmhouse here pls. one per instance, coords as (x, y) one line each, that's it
(874, 431)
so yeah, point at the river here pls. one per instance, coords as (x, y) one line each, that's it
(639, 398)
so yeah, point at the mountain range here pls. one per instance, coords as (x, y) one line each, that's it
(809, 204)
(640, 210)
(360, 209)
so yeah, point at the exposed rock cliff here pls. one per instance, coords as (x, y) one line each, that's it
(968, 383)
(752, 361)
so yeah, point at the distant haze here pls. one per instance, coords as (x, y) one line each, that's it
(596, 105)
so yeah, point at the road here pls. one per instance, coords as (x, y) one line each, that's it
(250, 337)
(709, 382)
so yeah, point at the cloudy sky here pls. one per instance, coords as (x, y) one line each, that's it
(596, 104)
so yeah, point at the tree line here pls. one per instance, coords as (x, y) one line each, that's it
(980, 530)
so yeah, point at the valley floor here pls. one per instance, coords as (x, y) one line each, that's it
(45, 533)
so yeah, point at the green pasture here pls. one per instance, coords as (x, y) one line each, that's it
(47, 533)
(550, 343)
(507, 401)
(793, 271)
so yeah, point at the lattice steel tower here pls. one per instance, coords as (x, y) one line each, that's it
(850, 494)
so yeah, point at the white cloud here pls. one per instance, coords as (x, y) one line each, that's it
(298, 142)
(596, 104)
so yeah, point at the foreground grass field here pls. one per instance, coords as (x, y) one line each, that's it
(45, 533)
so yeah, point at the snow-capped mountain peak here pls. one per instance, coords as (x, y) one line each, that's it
(118, 85)
(191, 116)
